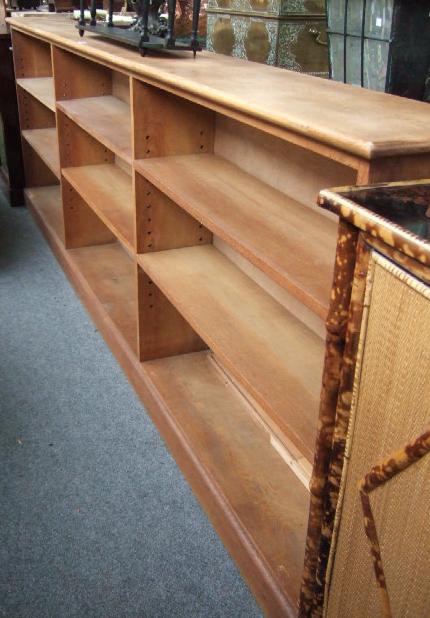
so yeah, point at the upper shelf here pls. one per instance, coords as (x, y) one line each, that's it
(108, 191)
(41, 88)
(357, 121)
(290, 242)
(106, 118)
(44, 142)
(271, 353)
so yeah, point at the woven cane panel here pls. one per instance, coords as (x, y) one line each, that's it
(390, 407)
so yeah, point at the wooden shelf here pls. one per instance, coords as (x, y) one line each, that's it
(47, 202)
(44, 142)
(110, 273)
(270, 352)
(290, 242)
(108, 191)
(267, 500)
(106, 118)
(41, 88)
(106, 269)
(249, 492)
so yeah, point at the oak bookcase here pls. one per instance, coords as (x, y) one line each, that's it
(178, 195)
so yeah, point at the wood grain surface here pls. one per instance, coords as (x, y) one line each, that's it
(273, 231)
(41, 88)
(105, 118)
(362, 122)
(108, 191)
(271, 353)
(44, 142)
(207, 425)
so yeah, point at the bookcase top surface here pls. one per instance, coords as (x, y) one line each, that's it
(356, 121)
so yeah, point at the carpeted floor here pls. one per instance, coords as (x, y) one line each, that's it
(95, 518)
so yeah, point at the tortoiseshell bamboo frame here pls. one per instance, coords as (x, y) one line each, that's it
(380, 474)
(360, 231)
(336, 325)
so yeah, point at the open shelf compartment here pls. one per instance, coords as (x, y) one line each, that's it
(44, 143)
(110, 274)
(46, 203)
(97, 99)
(106, 269)
(272, 355)
(107, 189)
(291, 243)
(106, 118)
(254, 486)
(41, 88)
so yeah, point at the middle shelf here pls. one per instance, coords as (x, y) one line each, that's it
(292, 243)
(273, 355)
(44, 142)
(41, 88)
(107, 189)
(106, 118)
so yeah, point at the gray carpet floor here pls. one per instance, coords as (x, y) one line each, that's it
(95, 517)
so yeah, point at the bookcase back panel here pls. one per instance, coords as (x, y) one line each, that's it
(32, 57)
(297, 172)
(77, 78)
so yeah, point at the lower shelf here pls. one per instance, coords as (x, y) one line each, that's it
(273, 355)
(46, 202)
(106, 269)
(250, 479)
(110, 274)
(256, 503)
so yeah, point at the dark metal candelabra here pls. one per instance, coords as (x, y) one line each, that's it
(148, 32)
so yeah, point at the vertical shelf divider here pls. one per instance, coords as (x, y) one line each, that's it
(164, 125)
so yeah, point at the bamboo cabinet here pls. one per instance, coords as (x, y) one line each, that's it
(376, 519)
(179, 197)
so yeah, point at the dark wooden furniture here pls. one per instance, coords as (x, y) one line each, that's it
(380, 467)
(383, 45)
(12, 170)
(179, 196)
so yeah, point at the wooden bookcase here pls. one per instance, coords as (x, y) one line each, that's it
(187, 225)
(36, 104)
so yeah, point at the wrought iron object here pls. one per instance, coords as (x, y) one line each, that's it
(149, 32)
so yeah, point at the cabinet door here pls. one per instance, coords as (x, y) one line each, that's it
(390, 409)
